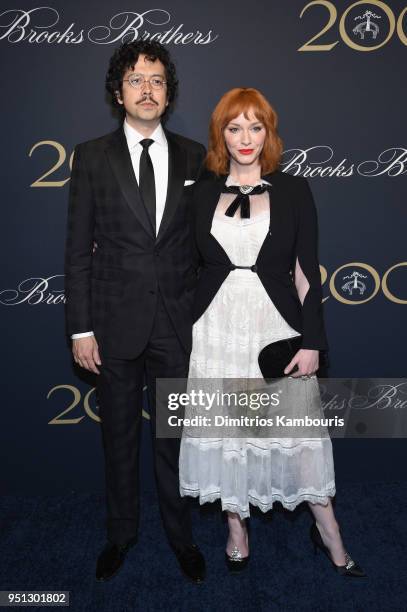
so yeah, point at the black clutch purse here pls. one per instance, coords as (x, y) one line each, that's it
(275, 357)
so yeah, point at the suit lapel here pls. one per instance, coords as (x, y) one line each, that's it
(120, 161)
(176, 176)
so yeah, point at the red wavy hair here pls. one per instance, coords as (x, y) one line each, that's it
(231, 105)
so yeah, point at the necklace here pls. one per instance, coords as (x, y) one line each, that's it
(245, 189)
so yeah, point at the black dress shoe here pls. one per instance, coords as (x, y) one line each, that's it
(110, 560)
(235, 562)
(350, 569)
(192, 563)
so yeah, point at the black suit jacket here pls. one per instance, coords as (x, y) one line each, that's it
(113, 291)
(293, 233)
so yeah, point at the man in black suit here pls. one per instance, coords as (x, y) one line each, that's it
(129, 302)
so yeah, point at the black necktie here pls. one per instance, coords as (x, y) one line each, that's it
(147, 181)
(242, 199)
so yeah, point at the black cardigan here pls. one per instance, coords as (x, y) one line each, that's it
(293, 233)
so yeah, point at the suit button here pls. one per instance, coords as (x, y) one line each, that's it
(152, 292)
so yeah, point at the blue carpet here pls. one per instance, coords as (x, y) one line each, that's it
(52, 544)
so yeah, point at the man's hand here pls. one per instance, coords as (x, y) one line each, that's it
(307, 361)
(86, 353)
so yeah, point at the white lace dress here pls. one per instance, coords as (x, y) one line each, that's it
(227, 339)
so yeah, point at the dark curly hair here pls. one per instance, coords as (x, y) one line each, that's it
(126, 56)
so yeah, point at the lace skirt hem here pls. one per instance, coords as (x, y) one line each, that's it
(289, 503)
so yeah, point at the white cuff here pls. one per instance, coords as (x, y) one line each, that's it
(82, 335)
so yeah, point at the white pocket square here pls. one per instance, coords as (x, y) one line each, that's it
(187, 183)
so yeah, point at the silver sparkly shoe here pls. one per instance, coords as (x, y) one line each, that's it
(235, 562)
(349, 569)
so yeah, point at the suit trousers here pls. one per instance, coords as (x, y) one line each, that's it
(120, 395)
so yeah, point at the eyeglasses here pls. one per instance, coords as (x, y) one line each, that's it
(137, 81)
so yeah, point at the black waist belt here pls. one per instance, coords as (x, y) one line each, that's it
(252, 268)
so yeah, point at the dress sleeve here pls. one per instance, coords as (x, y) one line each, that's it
(314, 335)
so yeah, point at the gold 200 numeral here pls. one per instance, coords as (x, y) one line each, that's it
(333, 13)
(58, 420)
(40, 182)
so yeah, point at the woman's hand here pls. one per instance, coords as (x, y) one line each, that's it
(307, 361)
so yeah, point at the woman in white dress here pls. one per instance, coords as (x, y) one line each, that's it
(259, 282)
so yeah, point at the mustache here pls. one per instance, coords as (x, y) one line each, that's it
(147, 98)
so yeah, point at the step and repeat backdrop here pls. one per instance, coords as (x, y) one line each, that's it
(334, 71)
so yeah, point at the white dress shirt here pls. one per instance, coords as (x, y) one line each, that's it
(158, 151)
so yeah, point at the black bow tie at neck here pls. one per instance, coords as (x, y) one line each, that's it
(242, 198)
